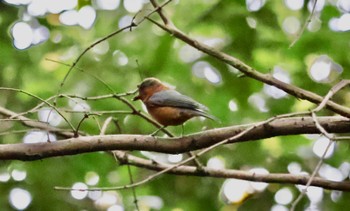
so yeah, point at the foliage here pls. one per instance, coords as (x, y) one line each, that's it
(255, 37)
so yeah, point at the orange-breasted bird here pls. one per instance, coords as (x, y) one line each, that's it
(168, 106)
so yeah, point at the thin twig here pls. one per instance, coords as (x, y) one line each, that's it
(307, 22)
(313, 175)
(132, 24)
(102, 132)
(330, 94)
(324, 132)
(133, 189)
(42, 100)
(86, 50)
(35, 109)
(35, 123)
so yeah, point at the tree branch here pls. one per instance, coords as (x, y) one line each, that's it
(237, 174)
(251, 72)
(36, 124)
(84, 144)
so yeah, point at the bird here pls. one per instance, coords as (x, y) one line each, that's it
(167, 106)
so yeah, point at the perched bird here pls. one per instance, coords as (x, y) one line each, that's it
(168, 106)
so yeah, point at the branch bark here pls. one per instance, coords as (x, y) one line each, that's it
(237, 174)
(251, 72)
(84, 144)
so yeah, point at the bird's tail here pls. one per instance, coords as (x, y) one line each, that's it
(209, 116)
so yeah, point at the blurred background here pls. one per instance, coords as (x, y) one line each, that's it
(257, 32)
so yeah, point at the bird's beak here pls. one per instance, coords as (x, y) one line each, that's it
(136, 98)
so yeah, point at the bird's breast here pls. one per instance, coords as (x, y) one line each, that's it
(170, 115)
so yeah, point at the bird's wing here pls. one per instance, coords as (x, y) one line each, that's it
(173, 98)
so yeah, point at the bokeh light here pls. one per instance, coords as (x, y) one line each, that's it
(252, 22)
(291, 25)
(101, 49)
(92, 178)
(20, 198)
(133, 6)
(79, 105)
(232, 105)
(314, 24)
(26, 34)
(258, 101)
(189, 54)
(318, 7)
(18, 2)
(315, 194)
(279, 207)
(294, 168)
(116, 207)
(40, 34)
(203, 69)
(336, 195)
(320, 146)
(69, 18)
(343, 23)
(4, 175)
(22, 34)
(281, 75)
(37, 136)
(79, 191)
(345, 169)
(37, 8)
(330, 173)
(235, 190)
(150, 202)
(198, 67)
(212, 75)
(86, 17)
(125, 21)
(107, 4)
(107, 200)
(120, 58)
(175, 158)
(113, 177)
(216, 163)
(259, 186)
(284, 196)
(343, 5)
(50, 116)
(94, 195)
(18, 175)
(254, 5)
(323, 69)
(294, 4)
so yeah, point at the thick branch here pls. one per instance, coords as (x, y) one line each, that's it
(84, 144)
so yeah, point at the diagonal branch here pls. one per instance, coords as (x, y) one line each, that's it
(249, 71)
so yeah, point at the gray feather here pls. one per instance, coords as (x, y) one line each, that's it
(173, 98)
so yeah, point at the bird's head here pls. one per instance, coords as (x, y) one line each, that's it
(148, 87)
